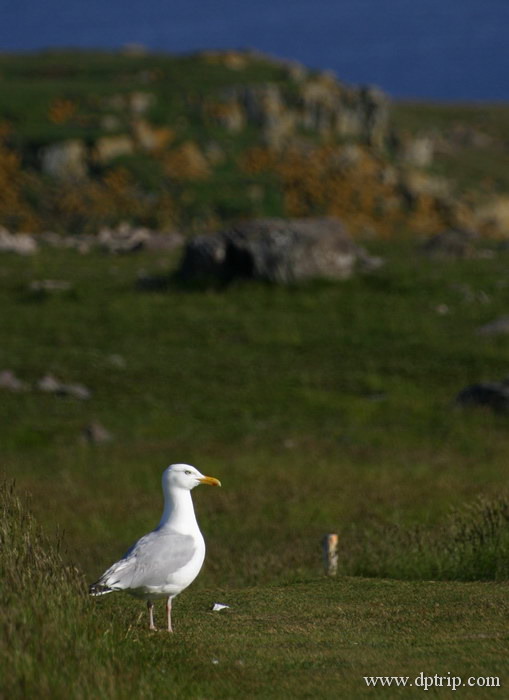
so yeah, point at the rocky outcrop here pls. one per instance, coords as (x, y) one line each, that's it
(321, 104)
(268, 135)
(275, 250)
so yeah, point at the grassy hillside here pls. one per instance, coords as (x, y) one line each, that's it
(90, 139)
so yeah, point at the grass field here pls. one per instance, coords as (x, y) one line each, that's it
(474, 167)
(322, 408)
(313, 637)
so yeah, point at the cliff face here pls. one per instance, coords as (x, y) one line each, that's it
(197, 141)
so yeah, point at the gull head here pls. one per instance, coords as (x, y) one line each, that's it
(184, 476)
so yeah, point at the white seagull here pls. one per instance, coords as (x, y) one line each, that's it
(164, 562)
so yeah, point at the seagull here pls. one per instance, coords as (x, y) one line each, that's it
(168, 559)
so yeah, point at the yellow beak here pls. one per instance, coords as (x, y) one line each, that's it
(210, 480)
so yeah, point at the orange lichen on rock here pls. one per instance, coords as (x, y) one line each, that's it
(186, 162)
(62, 110)
(353, 183)
(15, 210)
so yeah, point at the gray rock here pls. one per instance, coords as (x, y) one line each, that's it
(109, 147)
(231, 116)
(499, 326)
(493, 215)
(124, 239)
(50, 286)
(296, 71)
(493, 395)
(77, 391)
(110, 122)
(51, 385)
(96, 434)
(262, 103)
(9, 381)
(19, 243)
(418, 151)
(321, 103)
(275, 250)
(141, 102)
(117, 361)
(453, 243)
(164, 241)
(375, 112)
(66, 160)
(83, 243)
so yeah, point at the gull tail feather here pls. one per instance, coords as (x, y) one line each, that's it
(98, 588)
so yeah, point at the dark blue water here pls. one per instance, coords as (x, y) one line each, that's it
(443, 49)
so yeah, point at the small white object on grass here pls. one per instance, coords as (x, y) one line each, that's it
(217, 607)
(164, 562)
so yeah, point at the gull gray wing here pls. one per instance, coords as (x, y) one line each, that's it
(150, 561)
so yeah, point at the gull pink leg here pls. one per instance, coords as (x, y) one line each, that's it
(168, 612)
(150, 606)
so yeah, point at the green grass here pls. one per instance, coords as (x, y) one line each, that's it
(490, 118)
(316, 637)
(30, 83)
(470, 545)
(322, 408)
(474, 168)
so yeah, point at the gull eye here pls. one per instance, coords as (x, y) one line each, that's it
(188, 472)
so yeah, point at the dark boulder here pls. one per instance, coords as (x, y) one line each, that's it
(500, 326)
(452, 244)
(280, 251)
(203, 258)
(493, 395)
